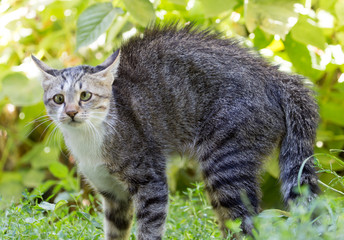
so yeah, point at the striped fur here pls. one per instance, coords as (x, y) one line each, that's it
(118, 216)
(174, 88)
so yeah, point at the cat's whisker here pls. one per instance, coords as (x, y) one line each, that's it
(105, 114)
(38, 119)
(53, 132)
(114, 117)
(45, 121)
(57, 136)
(89, 128)
(46, 128)
(107, 123)
(95, 130)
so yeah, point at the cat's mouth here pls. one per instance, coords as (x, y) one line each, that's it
(73, 122)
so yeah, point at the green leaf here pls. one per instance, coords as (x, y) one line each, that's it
(33, 178)
(59, 204)
(141, 10)
(47, 206)
(261, 39)
(94, 21)
(26, 123)
(332, 112)
(178, 2)
(327, 5)
(84, 215)
(41, 156)
(273, 213)
(307, 33)
(274, 17)
(11, 186)
(30, 220)
(213, 8)
(10, 190)
(234, 226)
(300, 58)
(96, 224)
(339, 9)
(58, 170)
(20, 90)
(271, 165)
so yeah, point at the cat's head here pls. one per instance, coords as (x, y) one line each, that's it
(79, 97)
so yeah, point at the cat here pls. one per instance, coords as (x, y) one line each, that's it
(181, 89)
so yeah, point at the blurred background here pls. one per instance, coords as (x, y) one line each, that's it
(304, 37)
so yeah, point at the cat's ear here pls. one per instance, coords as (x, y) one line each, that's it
(48, 73)
(45, 69)
(108, 69)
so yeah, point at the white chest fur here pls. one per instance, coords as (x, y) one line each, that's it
(86, 147)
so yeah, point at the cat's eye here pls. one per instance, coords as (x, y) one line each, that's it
(58, 98)
(85, 96)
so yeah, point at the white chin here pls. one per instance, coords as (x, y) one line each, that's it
(75, 123)
(72, 123)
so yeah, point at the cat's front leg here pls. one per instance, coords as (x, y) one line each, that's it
(118, 217)
(151, 203)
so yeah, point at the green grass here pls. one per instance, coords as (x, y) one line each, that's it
(190, 217)
(33, 220)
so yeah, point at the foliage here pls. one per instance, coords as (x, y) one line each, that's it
(34, 218)
(321, 220)
(302, 36)
(190, 217)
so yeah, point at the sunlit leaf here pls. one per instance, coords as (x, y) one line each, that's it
(30, 220)
(274, 17)
(141, 10)
(214, 7)
(58, 170)
(327, 5)
(10, 189)
(339, 9)
(261, 39)
(271, 165)
(300, 58)
(21, 90)
(47, 206)
(333, 112)
(33, 178)
(307, 33)
(41, 156)
(84, 215)
(59, 204)
(179, 2)
(273, 213)
(234, 225)
(94, 21)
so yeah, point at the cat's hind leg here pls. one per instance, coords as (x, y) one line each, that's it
(230, 167)
(231, 145)
(118, 217)
(233, 188)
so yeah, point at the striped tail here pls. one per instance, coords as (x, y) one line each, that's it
(301, 118)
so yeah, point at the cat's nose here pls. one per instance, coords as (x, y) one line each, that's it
(71, 113)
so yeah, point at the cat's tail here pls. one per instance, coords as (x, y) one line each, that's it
(301, 118)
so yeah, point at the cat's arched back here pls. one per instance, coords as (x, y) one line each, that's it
(176, 87)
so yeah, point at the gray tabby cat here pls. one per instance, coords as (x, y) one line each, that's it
(189, 91)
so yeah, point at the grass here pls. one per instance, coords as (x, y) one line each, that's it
(36, 219)
(190, 217)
